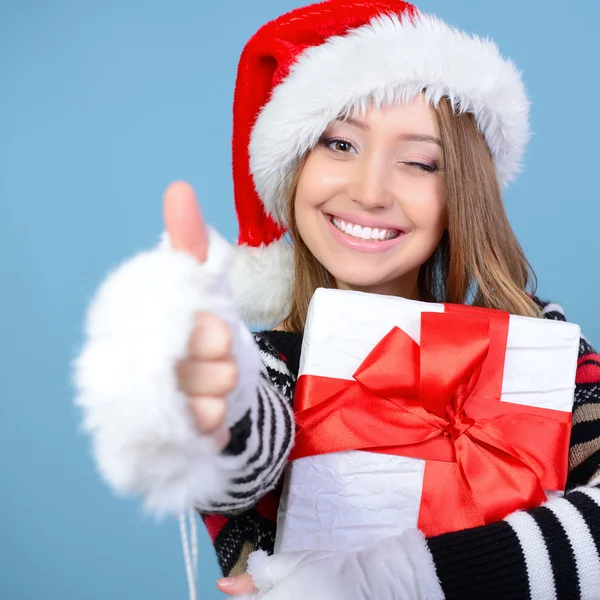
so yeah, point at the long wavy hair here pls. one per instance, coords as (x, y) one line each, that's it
(478, 260)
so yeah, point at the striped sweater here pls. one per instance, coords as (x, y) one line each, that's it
(552, 551)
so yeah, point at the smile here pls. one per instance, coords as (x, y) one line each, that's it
(363, 238)
(365, 233)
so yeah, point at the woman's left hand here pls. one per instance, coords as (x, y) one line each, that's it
(237, 586)
(290, 575)
(400, 567)
(277, 576)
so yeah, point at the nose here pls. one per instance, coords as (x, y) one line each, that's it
(369, 185)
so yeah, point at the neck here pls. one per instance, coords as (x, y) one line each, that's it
(404, 287)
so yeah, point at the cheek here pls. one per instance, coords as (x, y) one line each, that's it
(321, 180)
(306, 214)
(304, 208)
(428, 217)
(307, 190)
(428, 210)
(304, 202)
(317, 185)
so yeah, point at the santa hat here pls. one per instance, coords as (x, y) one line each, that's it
(299, 72)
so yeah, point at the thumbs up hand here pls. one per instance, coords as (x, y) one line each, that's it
(168, 368)
(209, 372)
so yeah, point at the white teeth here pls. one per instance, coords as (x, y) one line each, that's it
(365, 233)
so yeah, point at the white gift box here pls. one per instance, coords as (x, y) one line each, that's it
(349, 500)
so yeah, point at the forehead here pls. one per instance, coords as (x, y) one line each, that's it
(416, 116)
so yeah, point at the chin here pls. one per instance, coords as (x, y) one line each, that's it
(361, 280)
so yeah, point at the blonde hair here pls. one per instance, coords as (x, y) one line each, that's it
(478, 261)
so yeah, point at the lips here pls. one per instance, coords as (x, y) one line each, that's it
(357, 238)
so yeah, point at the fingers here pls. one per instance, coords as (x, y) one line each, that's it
(208, 412)
(211, 339)
(209, 374)
(184, 221)
(207, 378)
(237, 586)
(210, 369)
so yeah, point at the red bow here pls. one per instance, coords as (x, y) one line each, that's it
(440, 401)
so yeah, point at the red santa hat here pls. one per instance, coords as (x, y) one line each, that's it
(302, 70)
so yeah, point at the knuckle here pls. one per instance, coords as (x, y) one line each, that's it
(202, 318)
(194, 343)
(182, 371)
(208, 412)
(231, 375)
(226, 338)
(206, 377)
(211, 337)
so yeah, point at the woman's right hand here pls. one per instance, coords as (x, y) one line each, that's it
(209, 372)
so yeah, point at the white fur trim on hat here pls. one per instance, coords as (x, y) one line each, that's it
(385, 61)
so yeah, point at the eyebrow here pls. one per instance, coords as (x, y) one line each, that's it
(407, 137)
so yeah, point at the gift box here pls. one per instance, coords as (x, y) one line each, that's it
(413, 414)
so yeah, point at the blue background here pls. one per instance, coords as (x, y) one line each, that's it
(102, 104)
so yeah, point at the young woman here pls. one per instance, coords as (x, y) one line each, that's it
(378, 139)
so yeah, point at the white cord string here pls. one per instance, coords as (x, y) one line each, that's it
(194, 534)
(190, 557)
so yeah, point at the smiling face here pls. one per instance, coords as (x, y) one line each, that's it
(370, 202)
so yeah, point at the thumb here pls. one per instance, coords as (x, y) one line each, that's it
(184, 221)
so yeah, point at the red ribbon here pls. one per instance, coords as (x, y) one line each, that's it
(440, 401)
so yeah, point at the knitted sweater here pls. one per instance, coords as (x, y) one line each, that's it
(552, 551)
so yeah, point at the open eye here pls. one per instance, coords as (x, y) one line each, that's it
(338, 145)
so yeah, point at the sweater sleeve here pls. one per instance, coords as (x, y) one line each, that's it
(245, 519)
(552, 551)
(263, 438)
